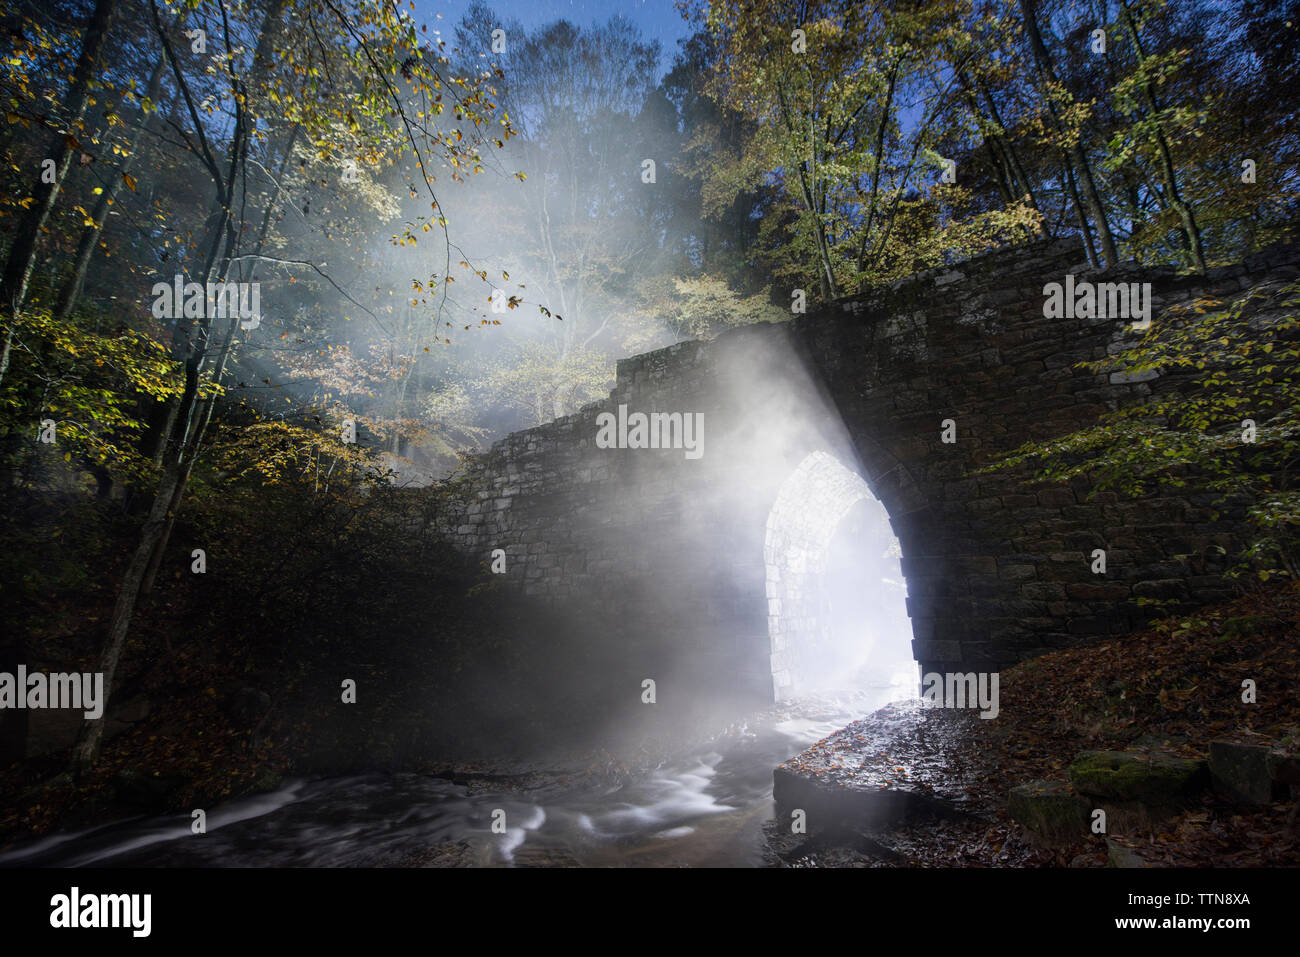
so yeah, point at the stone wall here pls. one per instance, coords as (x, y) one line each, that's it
(665, 554)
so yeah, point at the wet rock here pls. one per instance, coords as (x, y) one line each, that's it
(901, 763)
(1242, 771)
(1117, 855)
(1050, 810)
(1146, 778)
(1135, 817)
(828, 806)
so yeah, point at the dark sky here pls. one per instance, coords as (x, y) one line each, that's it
(658, 19)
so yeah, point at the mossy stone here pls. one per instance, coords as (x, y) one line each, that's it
(1129, 776)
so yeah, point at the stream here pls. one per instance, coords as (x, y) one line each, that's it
(704, 807)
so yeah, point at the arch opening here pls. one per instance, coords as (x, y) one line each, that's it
(837, 613)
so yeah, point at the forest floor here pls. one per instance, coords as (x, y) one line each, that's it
(1170, 689)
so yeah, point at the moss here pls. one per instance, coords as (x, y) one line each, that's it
(1245, 626)
(1124, 776)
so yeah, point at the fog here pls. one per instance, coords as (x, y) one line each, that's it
(458, 301)
(533, 216)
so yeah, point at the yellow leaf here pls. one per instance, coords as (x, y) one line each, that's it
(129, 180)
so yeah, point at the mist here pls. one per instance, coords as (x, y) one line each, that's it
(492, 433)
(497, 293)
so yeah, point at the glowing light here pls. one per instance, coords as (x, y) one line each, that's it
(834, 619)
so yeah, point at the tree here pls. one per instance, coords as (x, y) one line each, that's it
(1059, 104)
(92, 230)
(847, 106)
(585, 215)
(369, 41)
(63, 146)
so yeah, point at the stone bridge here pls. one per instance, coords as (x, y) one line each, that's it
(709, 567)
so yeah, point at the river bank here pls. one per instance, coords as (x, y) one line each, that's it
(1172, 692)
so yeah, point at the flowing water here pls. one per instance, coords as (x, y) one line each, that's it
(704, 807)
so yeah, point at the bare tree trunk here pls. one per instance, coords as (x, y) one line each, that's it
(8, 347)
(808, 187)
(1131, 199)
(1078, 208)
(1013, 157)
(13, 721)
(998, 162)
(186, 434)
(151, 573)
(881, 127)
(200, 412)
(86, 750)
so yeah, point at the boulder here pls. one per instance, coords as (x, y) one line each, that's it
(1242, 771)
(1283, 767)
(1051, 811)
(51, 729)
(55, 729)
(1153, 779)
(1117, 855)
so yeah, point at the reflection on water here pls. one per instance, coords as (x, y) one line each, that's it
(702, 808)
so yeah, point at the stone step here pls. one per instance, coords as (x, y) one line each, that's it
(901, 763)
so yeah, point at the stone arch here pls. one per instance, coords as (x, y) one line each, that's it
(660, 555)
(810, 506)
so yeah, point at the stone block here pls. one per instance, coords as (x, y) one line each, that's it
(1051, 810)
(1133, 776)
(1242, 772)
